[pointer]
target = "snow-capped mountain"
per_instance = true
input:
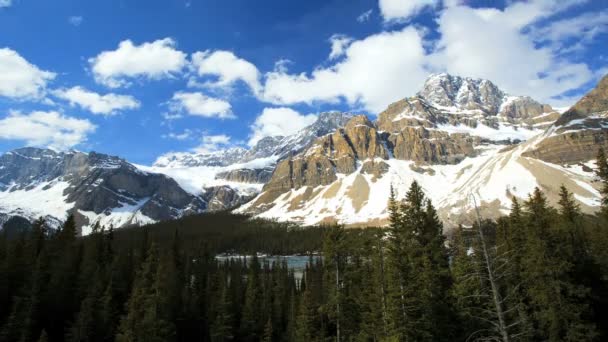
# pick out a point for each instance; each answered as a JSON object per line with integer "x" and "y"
{"x": 458, "y": 137}
{"x": 94, "y": 187}
{"x": 245, "y": 171}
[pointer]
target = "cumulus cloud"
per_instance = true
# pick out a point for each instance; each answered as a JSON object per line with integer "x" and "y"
{"x": 399, "y": 10}
{"x": 339, "y": 43}
{"x": 278, "y": 121}
{"x": 211, "y": 143}
{"x": 19, "y": 78}
{"x": 108, "y": 104}
{"x": 227, "y": 68}
{"x": 51, "y": 129}
{"x": 497, "y": 47}
{"x": 150, "y": 60}
{"x": 201, "y": 105}
{"x": 374, "y": 72}
{"x": 5, "y": 3}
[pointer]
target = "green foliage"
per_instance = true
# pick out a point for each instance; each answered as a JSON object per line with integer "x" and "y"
{"x": 405, "y": 283}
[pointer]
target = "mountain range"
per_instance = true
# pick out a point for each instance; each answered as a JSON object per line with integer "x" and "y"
{"x": 462, "y": 139}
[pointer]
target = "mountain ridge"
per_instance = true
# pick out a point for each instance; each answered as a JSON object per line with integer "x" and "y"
{"x": 457, "y": 137}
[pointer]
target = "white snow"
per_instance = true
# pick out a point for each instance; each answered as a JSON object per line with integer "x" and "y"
{"x": 502, "y": 133}
{"x": 492, "y": 177}
{"x": 126, "y": 214}
{"x": 194, "y": 179}
{"x": 37, "y": 201}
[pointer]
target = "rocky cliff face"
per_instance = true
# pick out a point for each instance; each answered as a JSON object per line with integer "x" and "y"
{"x": 580, "y": 132}
{"x": 458, "y": 137}
{"x": 94, "y": 187}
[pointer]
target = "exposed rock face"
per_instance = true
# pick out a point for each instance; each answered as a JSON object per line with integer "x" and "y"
{"x": 254, "y": 176}
{"x": 580, "y": 132}
{"x": 466, "y": 93}
{"x": 450, "y": 101}
{"x": 524, "y": 108}
{"x": 571, "y": 147}
{"x": 457, "y": 137}
{"x": 223, "y": 198}
{"x": 596, "y": 101}
{"x": 95, "y": 187}
{"x": 436, "y": 147}
{"x": 332, "y": 154}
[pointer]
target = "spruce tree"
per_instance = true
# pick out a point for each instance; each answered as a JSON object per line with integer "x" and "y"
{"x": 145, "y": 319}
{"x": 602, "y": 173}
{"x": 557, "y": 305}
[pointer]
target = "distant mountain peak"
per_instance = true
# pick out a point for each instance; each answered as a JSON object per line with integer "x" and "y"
{"x": 445, "y": 90}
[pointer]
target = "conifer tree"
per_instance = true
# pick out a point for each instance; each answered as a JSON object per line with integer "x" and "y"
{"x": 222, "y": 325}
{"x": 557, "y": 306}
{"x": 251, "y": 324}
{"x": 602, "y": 173}
{"x": 145, "y": 319}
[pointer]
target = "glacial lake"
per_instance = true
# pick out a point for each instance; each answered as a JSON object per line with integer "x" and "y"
{"x": 295, "y": 262}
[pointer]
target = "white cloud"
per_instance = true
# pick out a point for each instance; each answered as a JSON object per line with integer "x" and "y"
{"x": 150, "y": 60}
{"x": 186, "y": 134}
{"x": 375, "y": 71}
{"x": 365, "y": 16}
{"x": 108, "y": 104}
{"x": 5, "y": 3}
{"x": 228, "y": 69}
{"x": 19, "y": 78}
{"x": 211, "y": 143}
{"x": 50, "y": 129}
{"x": 497, "y": 47}
{"x": 201, "y": 105}
{"x": 399, "y": 10}
{"x": 278, "y": 121}
{"x": 339, "y": 43}
{"x": 572, "y": 34}
{"x": 75, "y": 20}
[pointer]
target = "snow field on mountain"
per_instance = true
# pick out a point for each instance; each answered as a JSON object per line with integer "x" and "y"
{"x": 45, "y": 198}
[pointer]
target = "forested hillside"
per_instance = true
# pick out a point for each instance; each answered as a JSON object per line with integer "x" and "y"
{"x": 538, "y": 274}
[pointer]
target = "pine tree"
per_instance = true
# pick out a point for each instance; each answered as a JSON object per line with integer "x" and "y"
{"x": 251, "y": 324}
{"x": 557, "y": 305}
{"x": 145, "y": 319}
{"x": 305, "y": 320}
{"x": 222, "y": 324}
{"x": 419, "y": 270}
{"x": 602, "y": 173}
{"x": 334, "y": 252}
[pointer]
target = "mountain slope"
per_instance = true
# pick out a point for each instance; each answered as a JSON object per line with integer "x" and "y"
{"x": 458, "y": 138}
{"x": 244, "y": 171}
{"x": 580, "y": 132}
{"x": 94, "y": 187}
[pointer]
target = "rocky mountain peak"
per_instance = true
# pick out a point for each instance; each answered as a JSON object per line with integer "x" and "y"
{"x": 446, "y": 90}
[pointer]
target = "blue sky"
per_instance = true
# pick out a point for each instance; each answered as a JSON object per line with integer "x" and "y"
{"x": 142, "y": 78}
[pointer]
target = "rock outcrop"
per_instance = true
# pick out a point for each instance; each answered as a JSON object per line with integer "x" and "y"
{"x": 330, "y": 155}
{"x": 580, "y": 132}
{"x": 223, "y": 198}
